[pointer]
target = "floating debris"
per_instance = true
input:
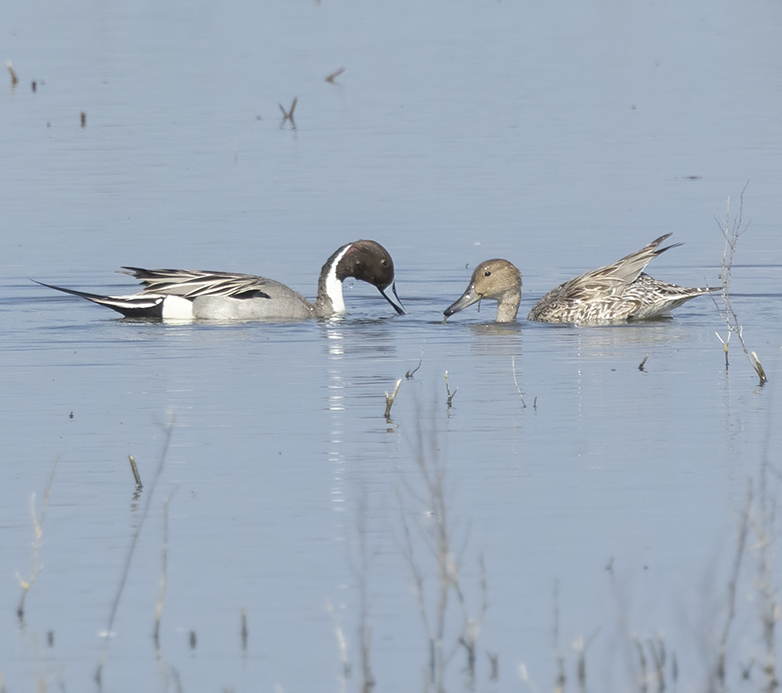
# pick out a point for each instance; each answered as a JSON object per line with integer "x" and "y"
{"x": 14, "y": 78}
{"x": 288, "y": 115}
{"x": 330, "y": 79}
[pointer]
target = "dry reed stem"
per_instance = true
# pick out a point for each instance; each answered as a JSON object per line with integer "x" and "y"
{"x": 720, "y": 666}
{"x": 163, "y": 576}
{"x": 763, "y": 522}
{"x": 732, "y": 233}
{"x": 35, "y": 568}
{"x": 515, "y": 380}
{"x": 136, "y": 475}
{"x": 450, "y": 395}
{"x": 169, "y": 429}
{"x": 360, "y": 564}
{"x": 288, "y": 115}
{"x": 409, "y": 375}
{"x": 659, "y": 656}
{"x": 643, "y": 682}
{"x": 434, "y": 528}
{"x": 342, "y": 644}
{"x": 390, "y": 400}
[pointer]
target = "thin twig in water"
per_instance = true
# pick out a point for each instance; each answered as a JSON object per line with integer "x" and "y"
{"x": 579, "y": 647}
{"x": 435, "y": 528}
{"x": 288, "y": 115}
{"x": 643, "y": 683}
{"x": 38, "y": 534}
{"x": 342, "y": 644}
{"x": 448, "y": 392}
{"x": 764, "y": 522}
{"x": 360, "y": 564}
{"x": 518, "y": 389}
{"x": 720, "y": 667}
{"x": 732, "y": 233}
{"x": 330, "y": 79}
{"x": 409, "y": 375}
{"x": 657, "y": 648}
{"x": 643, "y": 363}
{"x": 132, "y": 548}
{"x": 163, "y": 577}
{"x": 244, "y": 631}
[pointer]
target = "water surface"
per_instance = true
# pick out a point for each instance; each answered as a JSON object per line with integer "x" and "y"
{"x": 602, "y": 501}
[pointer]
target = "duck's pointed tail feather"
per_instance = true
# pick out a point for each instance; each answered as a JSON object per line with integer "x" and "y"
{"x": 138, "y": 306}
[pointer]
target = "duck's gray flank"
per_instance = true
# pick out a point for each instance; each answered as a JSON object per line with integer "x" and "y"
{"x": 209, "y": 295}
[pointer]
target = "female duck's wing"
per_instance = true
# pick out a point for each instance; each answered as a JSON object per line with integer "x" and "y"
{"x": 626, "y": 270}
{"x": 602, "y": 294}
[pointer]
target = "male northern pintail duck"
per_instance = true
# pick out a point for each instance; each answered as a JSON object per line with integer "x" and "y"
{"x": 616, "y": 293}
{"x": 200, "y": 295}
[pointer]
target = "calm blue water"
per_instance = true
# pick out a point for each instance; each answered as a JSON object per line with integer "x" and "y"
{"x": 559, "y": 137}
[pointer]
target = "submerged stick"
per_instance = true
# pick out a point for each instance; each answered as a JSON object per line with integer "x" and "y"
{"x": 288, "y": 115}
{"x": 643, "y": 363}
{"x": 136, "y": 475}
{"x": 390, "y": 399}
{"x": 14, "y": 78}
{"x": 725, "y": 343}
{"x": 450, "y": 394}
{"x": 330, "y": 79}
{"x": 758, "y": 368}
{"x": 409, "y": 375}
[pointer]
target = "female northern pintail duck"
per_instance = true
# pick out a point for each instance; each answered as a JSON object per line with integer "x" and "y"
{"x": 193, "y": 294}
{"x": 498, "y": 280}
{"x": 611, "y": 294}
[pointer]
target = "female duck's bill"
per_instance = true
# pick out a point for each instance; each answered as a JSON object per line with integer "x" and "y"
{"x": 194, "y": 294}
{"x": 498, "y": 280}
{"x": 615, "y": 293}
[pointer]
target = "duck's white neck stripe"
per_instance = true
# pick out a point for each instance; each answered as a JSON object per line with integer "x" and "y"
{"x": 334, "y": 285}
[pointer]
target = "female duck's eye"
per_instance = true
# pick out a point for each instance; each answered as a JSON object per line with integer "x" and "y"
{"x": 384, "y": 262}
{"x": 487, "y": 273}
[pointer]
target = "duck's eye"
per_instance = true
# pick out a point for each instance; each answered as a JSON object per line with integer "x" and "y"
{"x": 487, "y": 273}
{"x": 384, "y": 262}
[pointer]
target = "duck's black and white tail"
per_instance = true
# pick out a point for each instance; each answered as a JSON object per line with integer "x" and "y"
{"x": 137, "y": 306}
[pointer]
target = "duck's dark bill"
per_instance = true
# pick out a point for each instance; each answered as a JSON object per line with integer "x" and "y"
{"x": 467, "y": 299}
{"x": 389, "y": 293}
